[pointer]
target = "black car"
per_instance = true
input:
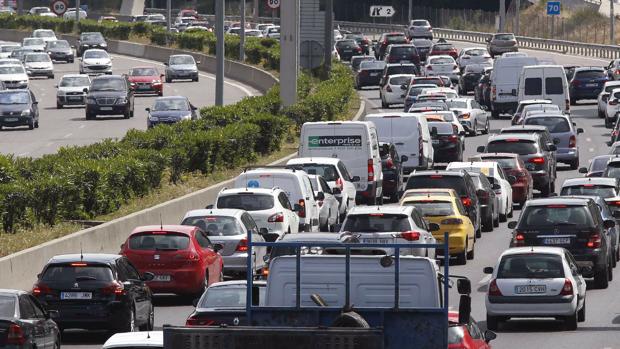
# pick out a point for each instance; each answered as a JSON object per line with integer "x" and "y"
{"x": 482, "y": 90}
{"x": 369, "y": 74}
{"x": 109, "y": 95}
{"x": 25, "y": 323}
{"x": 170, "y": 110}
{"x": 485, "y": 191}
{"x": 386, "y": 40}
{"x": 347, "y": 49}
{"x": 96, "y": 291}
{"x": 573, "y": 223}
{"x": 448, "y": 144}
{"x": 402, "y": 53}
{"x": 18, "y": 108}
{"x": 60, "y": 50}
{"x": 423, "y": 46}
{"x": 597, "y": 166}
{"x": 470, "y": 78}
{"x": 357, "y": 60}
{"x": 586, "y": 83}
{"x": 391, "y": 165}
{"x": 90, "y": 40}
{"x": 460, "y": 181}
{"x": 361, "y": 40}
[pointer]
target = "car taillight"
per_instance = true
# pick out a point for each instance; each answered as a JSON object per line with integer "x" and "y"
{"x": 493, "y": 289}
{"x": 385, "y": 43}
{"x": 537, "y": 160}
{"x": 567, "y": 289}
{"x": 194, "y": 321}
{"x": 452, "y": 221}
{"x": 465, "y": 116}
{"x": 113, "y": 289}
{"x": 466, "y": 201}
{"x": 613, "y": 102}
{"x": 410, "y": 235}
{"x": 519, "y": 239}
{"x": 453, "y": 138}
{"x": 388, "y": 88}
{"x": 302, "y": 211}
{"x": 15, "y": 335}
{"x": 567, "y": 104}
{"x": 276, "y": 218}
{"x": 429, "y": 67}
{"x": 363, "y": 72}
{"x": 358, "y": 49}
{"x": 594, "y": 241}
{"x": 242, "y": 246}
{"x": 572, "y": 142}
{"x": 575, "y": 83}
{"x": 40, "y": 289}
{"x": 389, "y": 163}
{"x": 493, "y": 91}
{"x": 340, "y": 184}
{"x": 371, "y": 171}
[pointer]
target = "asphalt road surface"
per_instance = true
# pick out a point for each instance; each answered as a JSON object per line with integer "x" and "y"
{"x": 68, "y": 126}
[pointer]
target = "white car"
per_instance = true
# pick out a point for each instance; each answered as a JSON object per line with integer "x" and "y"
{"x": 446, "y": 91}
{"x": 71, "y": 90}
{"x": 270, "y": 208}
{"x": 391, "y": 92}
{"x": 70, "y": 14}
{"x": 337, "y": 176}
{"x": 43, "y": 11}
{"x": 10, "y": 61}
{"x": 14, "y": 76}
{"x": 329, "y": 215}
{"x": 337, "y": 35}
{"x": 449, "y": 116}
{"x": 474, "y": 55}
{"x": 536, "y": 281}
{"x": 442, "y": 65}
{"x": 272, "y": 32}
{"x": 6, "y": 49}
{"x": 35, "y": 44}
{"x": 254, "y": 32}
{"x": 95, "y": 61}
{"x": 45, "y": 34}
{"x": 263, "y": 26}
{"x": 613, "y": 105}
{"x": 39, "y": 64}
{"x": 142, "y": 340}
{"x": 470, "y": 115}
{"x": 603, "y": 97}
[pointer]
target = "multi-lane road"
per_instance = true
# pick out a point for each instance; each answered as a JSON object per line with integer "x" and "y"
{"x": 68, "y": 126}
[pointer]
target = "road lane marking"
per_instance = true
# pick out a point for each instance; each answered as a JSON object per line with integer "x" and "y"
{"x": 82, "y": 126}
{"x": 24, "y": 154}
{"x": 588, "y": 139}
{"x": 68, "y": 135}
{"x": 49, "y": 144}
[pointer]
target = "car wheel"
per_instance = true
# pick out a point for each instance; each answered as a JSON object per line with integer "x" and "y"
{"x": 470, "y": 254}
{"x": 573, "y": 101}
{"x": 58, "y": 105}
{"x": 325, "y": 227}
{"x": 570, "y": 322}
{"x": 195, "y": 79}
{"x": 494, "y": 114}
{"x": 574, "y": 164}
{"x": 614, "y": 263}
{"x": 90, "y": 116}
{"x": 31, "y": 124}
{"x": 51, "y": 76}
{"x": 474, "y": 131}
{"x": 496, "y": 222}
{"x": 492, "y": 322}
{"x": 384, "y": 105}
{"x": 581, "y": 314}
{"x": 168, "y": 79}
{"x": 127, "y": 114}
{"x": 487, "y": 127}
{"x": 150, "y": 322}
{"x": 544, "y": 192}
{"x": 36, "y": 124}
{"x": 610, "y": 270}
{"x": 510, "y": 213}
{"x": 487, "y": 226}
{"x": 601, "y": 114}
{"x": 601, "y": 278}
{"x": 461, "y": 258}
{"x": 502, "y": 217}
{"x": 479, "y": 233}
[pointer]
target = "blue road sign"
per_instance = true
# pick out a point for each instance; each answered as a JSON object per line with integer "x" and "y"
{"x": 553, "y": 8}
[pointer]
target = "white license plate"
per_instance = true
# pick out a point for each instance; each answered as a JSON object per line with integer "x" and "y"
{"x": 76, "y": 295}
{"x": 530, "y": 289}
{"x": 10, "y": 119}
{"x": 75, "y": 98}
{"x": 162, "y": 278}
{"x": 405, "y": 61}
{"x": 377, "y": 241}
{"x": 374, "y": 74}
{"x": 105, "y": 108}
{"x": 435, "y": 141}
{"x": 556, "y": 241}
{"x": 144, "y": 87}
{"x": 591, "y": 85}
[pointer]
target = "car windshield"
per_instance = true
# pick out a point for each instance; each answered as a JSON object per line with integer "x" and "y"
{"x": 441, "y": 60}
{"x": 375, "y": 65}
{"x": 552, "y": 216}
{"x": 171, "y": 104}
{"x": 95, "y": 54}
{"x": 406, "y": 50}
{"x": 91, "y": 36}
{"x": 420, "y": 23}
{"x": 44, "y": 33}
{"x": 504, "y": 37}
{"x": 457, "y": 104}
{"x": 75, "y": 81}
{"x": 443, "y": 47}
{"x": 400, "y": 80}
{"x": 159, "y": 241}
{"x": 433, "y": 208}
{"x": 376, "y": 222}
{"x": 18, "y": 97}
{"x": 9, "y": 48}
{"x": 396, "y": 39}
{"x": 328, "y": 172}
{"x": 518, "y": 146}
{"x": 229, "y": 297}
{"x": 422, "y": 43}
{"x": 253, "y": 202}
{"x": 37, "y": 57}
{"x": 590, "y": 189}
{"x": 143, "y": 72}
{"x": 216, "y": 225}
{"x": 108, "y": 85}
{"x": 554, "y": 125}
{"x": 476, "y": 52}
{"x": 177, "y": 60}
{"x": 58, "y": 44}
{"x": 78, "y": 271}
{"x": 531, "y": 266}
{"x": 33, "y": 41}
{"x": 438, "y": 181}
{"x": 590, "y": 74}
{"x": 426, "y": 81}
{"x": 7, "y": 307}
{"x": 11, "y": 70}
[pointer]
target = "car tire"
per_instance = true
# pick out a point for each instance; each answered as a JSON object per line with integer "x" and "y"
{"x": 127, "y": 114}
{"x": 50, "y": 76}
{"x": 384, "y": 105}
{"x": 494, "y": 114}
{"x": 195, "y": 79}
{"x": 573, "y": 101}
{"x": 544, "y": 192}
{"x": 493, "y": 322}
{"x": 487, "y": 226}
{"x": 608, "y": 124}
{"x": 610, "y": 270}
{"x": 581, "y": 313}
{"x": 90, "y": 116}
{"x": 58, "y": 105}
{"x": 479, "y": 233}
{"x": 461, "y": 258}
{"x": 487, "y": 127}
{"x": 574, "y": 164}
{"x": 601, "y": 278}
{"x": 70, "y": 61}
{"x": 128, "y": 323}
{"x": 31, "y": 125}
{"x": 510, "y": 213}
{"x": 160, "y": 93}
{"x": 601, "y": 114}
{"x": 150, "y": 323}
{"x": 570, "y": 322}
{"x": 502, "y": 217}
{"x": 474, "y": 131}
{"x": 168, "y": 79}
{"x": 496, "y": 222}
{"x": 36, "y": 124}
{"x": 470, "y": 254}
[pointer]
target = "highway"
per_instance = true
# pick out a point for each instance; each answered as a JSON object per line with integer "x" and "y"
{"x": 68, "y": 126}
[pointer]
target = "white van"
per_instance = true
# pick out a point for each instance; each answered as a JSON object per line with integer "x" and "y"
{"x": 372, "y": 285}
{"x": 505, "y": 82}
{"x": 409, "y": 133}
{"x": 545, "y": 82}
{"x": 356, "y": 144}
{"x": 295, "y": 183}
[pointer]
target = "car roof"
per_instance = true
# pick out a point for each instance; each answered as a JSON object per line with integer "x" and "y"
{"x": 229, "y": 212}
{"x": 86, "y": 257}
{"x": 589, "y": 68}
{"x": 557, "y": 201}
{"x": 74, "y": 76}
{"x": 612, "y": 182}
{"x": 524, "y": 136}
{"x": 95, "y": 50}
{"x": 170, "y": 97}
{"x": 434, "y": 197}
{"x": 533, "y": 249}
{"x": 6, "y": 291}
{"x": 379, "y": 209}
{"x": 440, "y": 191}
{"x": 400, "y": 65}
{"x": 532, "y": 128}
{"x": 401, "y": 75}
{"x": 439, "y": 172}
{"x": 232, "y": 191}
{"x": 494, "y": 155}
{"x": 187, "y": 229}
{"x": 313, "y": 160}
{"x": 103, "y": 77}
{"x": 153, "y": 339}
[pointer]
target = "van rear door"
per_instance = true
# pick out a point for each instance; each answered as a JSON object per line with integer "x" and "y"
{"x": 403, "y": 132}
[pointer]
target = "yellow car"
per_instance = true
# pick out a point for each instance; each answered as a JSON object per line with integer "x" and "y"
{"x": 449, "y": 213}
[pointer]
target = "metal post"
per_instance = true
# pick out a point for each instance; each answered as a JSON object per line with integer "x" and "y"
{"x": 502, "y": 15}
{"x": 168, "y": 15}
{"x": 20, "y": 7}
{"x": 242, "y": 34}
{"x": 298, "y": 278}
{"x": 517, "y": 16}
{"x": 612, "y": 23}
{"x": 77, "y": 16}
{"x": 552, "y": 27}
{"x": 347, "y": 275}
{"x": 219, "y": 52}
{"x": 289, "y": 51}
{"x": 255, "y": 11}
{"x": 249, "y": 279}
{"x": 397, "y": 279}
{"x": 329, "y": 35}
{"x": 409, "y": 12}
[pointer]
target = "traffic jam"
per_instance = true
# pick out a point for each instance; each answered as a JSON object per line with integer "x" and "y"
{"x": 398, "y": 182}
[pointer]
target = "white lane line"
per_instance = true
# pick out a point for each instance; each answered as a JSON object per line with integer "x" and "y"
{"x": 591, "y": 150}
{"x": 49, "y": 144}
{"x": 241, "y": 87}
{"x": 68, "y": 135}
{"x": 82, "y": 126}
{"x": 588, "y": 139}
{"x": 24, "y": 154}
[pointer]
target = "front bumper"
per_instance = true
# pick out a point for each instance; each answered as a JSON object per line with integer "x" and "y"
{"x": 71, "y": 99}
{"x": 40, "y": 72}
{"x": 14, "y": 121}
{"x": 14, "y": 85}
{"x": 57, "y": 56}
{"x": 116, "y": 109}
{"x": 147, "y": 88}
{"x": 91, "y": 70}
{"x": 182, "y": 75}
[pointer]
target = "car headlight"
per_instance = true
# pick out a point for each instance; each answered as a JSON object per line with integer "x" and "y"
{"x": 61, "y": 93}
{"x": 103, "y": 44}
{"x": 25, "y": 112}
{"x": 24, "y": 82}
{"x": 122, "y": 100}
{"x": 156, "y": 82}
{"x": 90, "y": 100}
{"x": 186, "y": 117}
{"x": 153, "y": 118}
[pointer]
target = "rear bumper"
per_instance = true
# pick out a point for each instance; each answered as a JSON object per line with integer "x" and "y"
{"x": 89, "y": 316}
{"x": 567, "y": 154}
{"x": 456, "y": 242}
{"x": 541, "y": 179}
{"x": 504, "y": 107}
{"x": 589, "y": 93}
{"x": 519, "y": 193}
{"x": 531, "y": 306}
{"x": 182, "y": 281}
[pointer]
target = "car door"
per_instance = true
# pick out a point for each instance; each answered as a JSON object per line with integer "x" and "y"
{"x": 36, "y": 323}
{"x": 330, "y": 200}
{"x": 204, "y": 247}
{"x": 50, "y": 328}
{"x": 477, "y": 336}
{"x": 581, "y": 283}
{"x": 35, "y": 106}
{"x": 138, "y": 291}
{"x": 506, "y": 187}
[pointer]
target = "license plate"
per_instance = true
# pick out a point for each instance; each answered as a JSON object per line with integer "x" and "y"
{"x": 591, "y": 85}
{"x": 374, "y": 74}
{"x": 435, "y": 141}
{"x": 405, "y": 61}
{"x": 556, "y": 241}
{"x": 144, "y": 87}
{"x": 76, "y": 295}
{"x": 105, "y": 108}
{"x": 377, "y": 241}
{"x": 162, "y": 278}
{"x": 529, "y": 289}
{"x": 10, "y": 119}
{"x": 74, "y": 98}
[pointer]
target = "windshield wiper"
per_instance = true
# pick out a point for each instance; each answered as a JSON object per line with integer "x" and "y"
{"x": 85, "y": 278}
{"x": 166, "y": 249}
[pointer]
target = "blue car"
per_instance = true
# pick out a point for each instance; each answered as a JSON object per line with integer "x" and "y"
{"x": 562, "y": 128}
{"x": 412, "y": 94}
{"x": 586, "y": 83}
{"x": 170, "y": 110}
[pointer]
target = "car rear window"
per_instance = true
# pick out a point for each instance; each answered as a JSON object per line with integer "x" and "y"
{"x": 443, "y": 47}
{"x": 254, "y": 202}
{"x": 590, "y": 189}
{"x": 519, "y": 147}
{"x": 159, "y": 241}
{"x": 402, "y": 69}
{"x": 403, "y": 50}
{"x": 328, "y": 172}
{"x": 554, "y": 86}
{"x": 78, "y": 271}
{"x": 533, "y": 87}
{"x": 504, "y": 37}
{"x": 346, "y": 43}
{"x": 551, "y": 216}
{"x": 400, "y": 80}
{"x": 433, "y": 208}
{"x": 443, "y": 128}
{"x": 372, "y": 65}
{"x": 230, "y": 297}
{"x": 599, "y": 164}
{"x": 7, "y": 307}
{"x": 396, "y": 39}
{"x": 376, "y": 222}
{"x": 554, "y": 125}
{"x": 435, "y": 81}
{"x": 215, "y": 225}
{"x": 531, "y": 266}
{"x": 506, "y": 163}
{"x": 420, "y": 23}
{"x": 442, "y": 60}
{"x": 590, "y": 74}
{"x": 438, "y": 181}
{"x": 457, "y": 104}
{"x": 476, "y": 52}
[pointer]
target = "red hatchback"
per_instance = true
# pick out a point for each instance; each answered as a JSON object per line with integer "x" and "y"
{"x": 182, "y": 258}
{"x": 468, "y": 336}
{"x": 444, "y": 48}
{"x": 146, "y": 80}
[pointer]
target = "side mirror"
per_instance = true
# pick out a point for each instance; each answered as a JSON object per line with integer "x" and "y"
{"x": 489, "y": 336}
{"x": 147, "y": 109}
{"x": 488, "y": 270}
{"x": 583, "y": 170}
{"x": 85, "y": 90}
{"x": 512, "y": 224}
{"x": 553, "y": 147}
{"x": 404, "y": 158}
{"x": 217, "y": 247}
{"x": 433, "y": 227}
{"x": 320, "y": 196}
{"x": 463, "y": 286}
{"x": 263, "y": 231}
{"x": 147, "y": 276}
{"x": 608, "y": 224}
{"x": 404, "y": 87}
{"x": 512, "y": 179}
{"x": 462, "y": 133}
{"x": 336, "y": 191}
{"x": 496, "y": 186}
{"x": 355, "y": 179}
{"x": 480, "y": 149}
{"x": 208, "y": 207}
{"x": 579, "y": 130}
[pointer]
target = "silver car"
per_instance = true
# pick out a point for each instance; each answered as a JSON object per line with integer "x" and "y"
{"x": 501, "y": 43}
{"x": 471, "y": 115}
{"x": 181, "y": 67}
{"x": 420, "y": 28}
{"x": 327, "y": 201}
{"x": 229, "y": 228}
{"x": 560, "y": 127}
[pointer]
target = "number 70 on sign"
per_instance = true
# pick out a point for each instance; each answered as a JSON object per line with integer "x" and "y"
{"x": 553, "y": 8}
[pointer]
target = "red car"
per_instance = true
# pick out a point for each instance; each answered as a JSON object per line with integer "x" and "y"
{"x": 146, "y": 80}
{"x": 182, "y": 258}
{"x": 523, "y": 184}
{"x": 444, "y": 48}
{"x": 467, "y": 336}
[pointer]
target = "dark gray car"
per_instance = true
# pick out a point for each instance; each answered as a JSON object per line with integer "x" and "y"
{"x": 18, "y": 108}
{"x": 24, "y": 322}
{"x": 90, "y": 40}
{"x": 60, "y": 50}
{"x": 501, "y": 43}
{"x": 109, "y": 95}
{"x": 181, "y": 67}
{"x": 170, "y": 110}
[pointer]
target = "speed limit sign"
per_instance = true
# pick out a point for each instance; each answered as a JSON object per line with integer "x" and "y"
{"x": 59, "y": 7}
{"x": 273, "y": 3}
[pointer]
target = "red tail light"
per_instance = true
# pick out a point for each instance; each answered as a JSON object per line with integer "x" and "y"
{"x": 613, "y": 102}
{"x": 358, "y": 49}
{"x": 538, "y": 160}
{"x": 114, "y": 289}
{"x": 15, "y": 335}
{"x": 493, "y": 289}
{"x": 466, "y": 201}
{"x": 575, "y": 83}
{"x": 567, "y": 103}
{"x": 339, "y": 183}
{"x": 410, "y": 235}
{"x": 194, "y": 321}
{"x": 493, "y": 93}
{"x": 429, "y": 68}
{"x": 567, "y": 290}
{"x": 364, "y": 72}
{"x": 302, "y": 212}
{"x": 242, "y": 246}
{"x": 40, "y": 289}
{"x": 388, "y": 88}
{"x": 572, "y": 142}
{"x": 452, "y": 221}
{"x": 453, "y": 138}
{"x": 389, "y": 163}
{"x": 276, "y": 218}
{"x": 371, "y": 170}
{"x": 617, "y": 71}
{"x": 594, "y": 241}
{"x": 519, "y": 239}
{"x": 385, "y": 42}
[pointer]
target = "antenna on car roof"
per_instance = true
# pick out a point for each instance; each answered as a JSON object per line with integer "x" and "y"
{"x": 161, "y": 222}
{"x": 81, "y": 253}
